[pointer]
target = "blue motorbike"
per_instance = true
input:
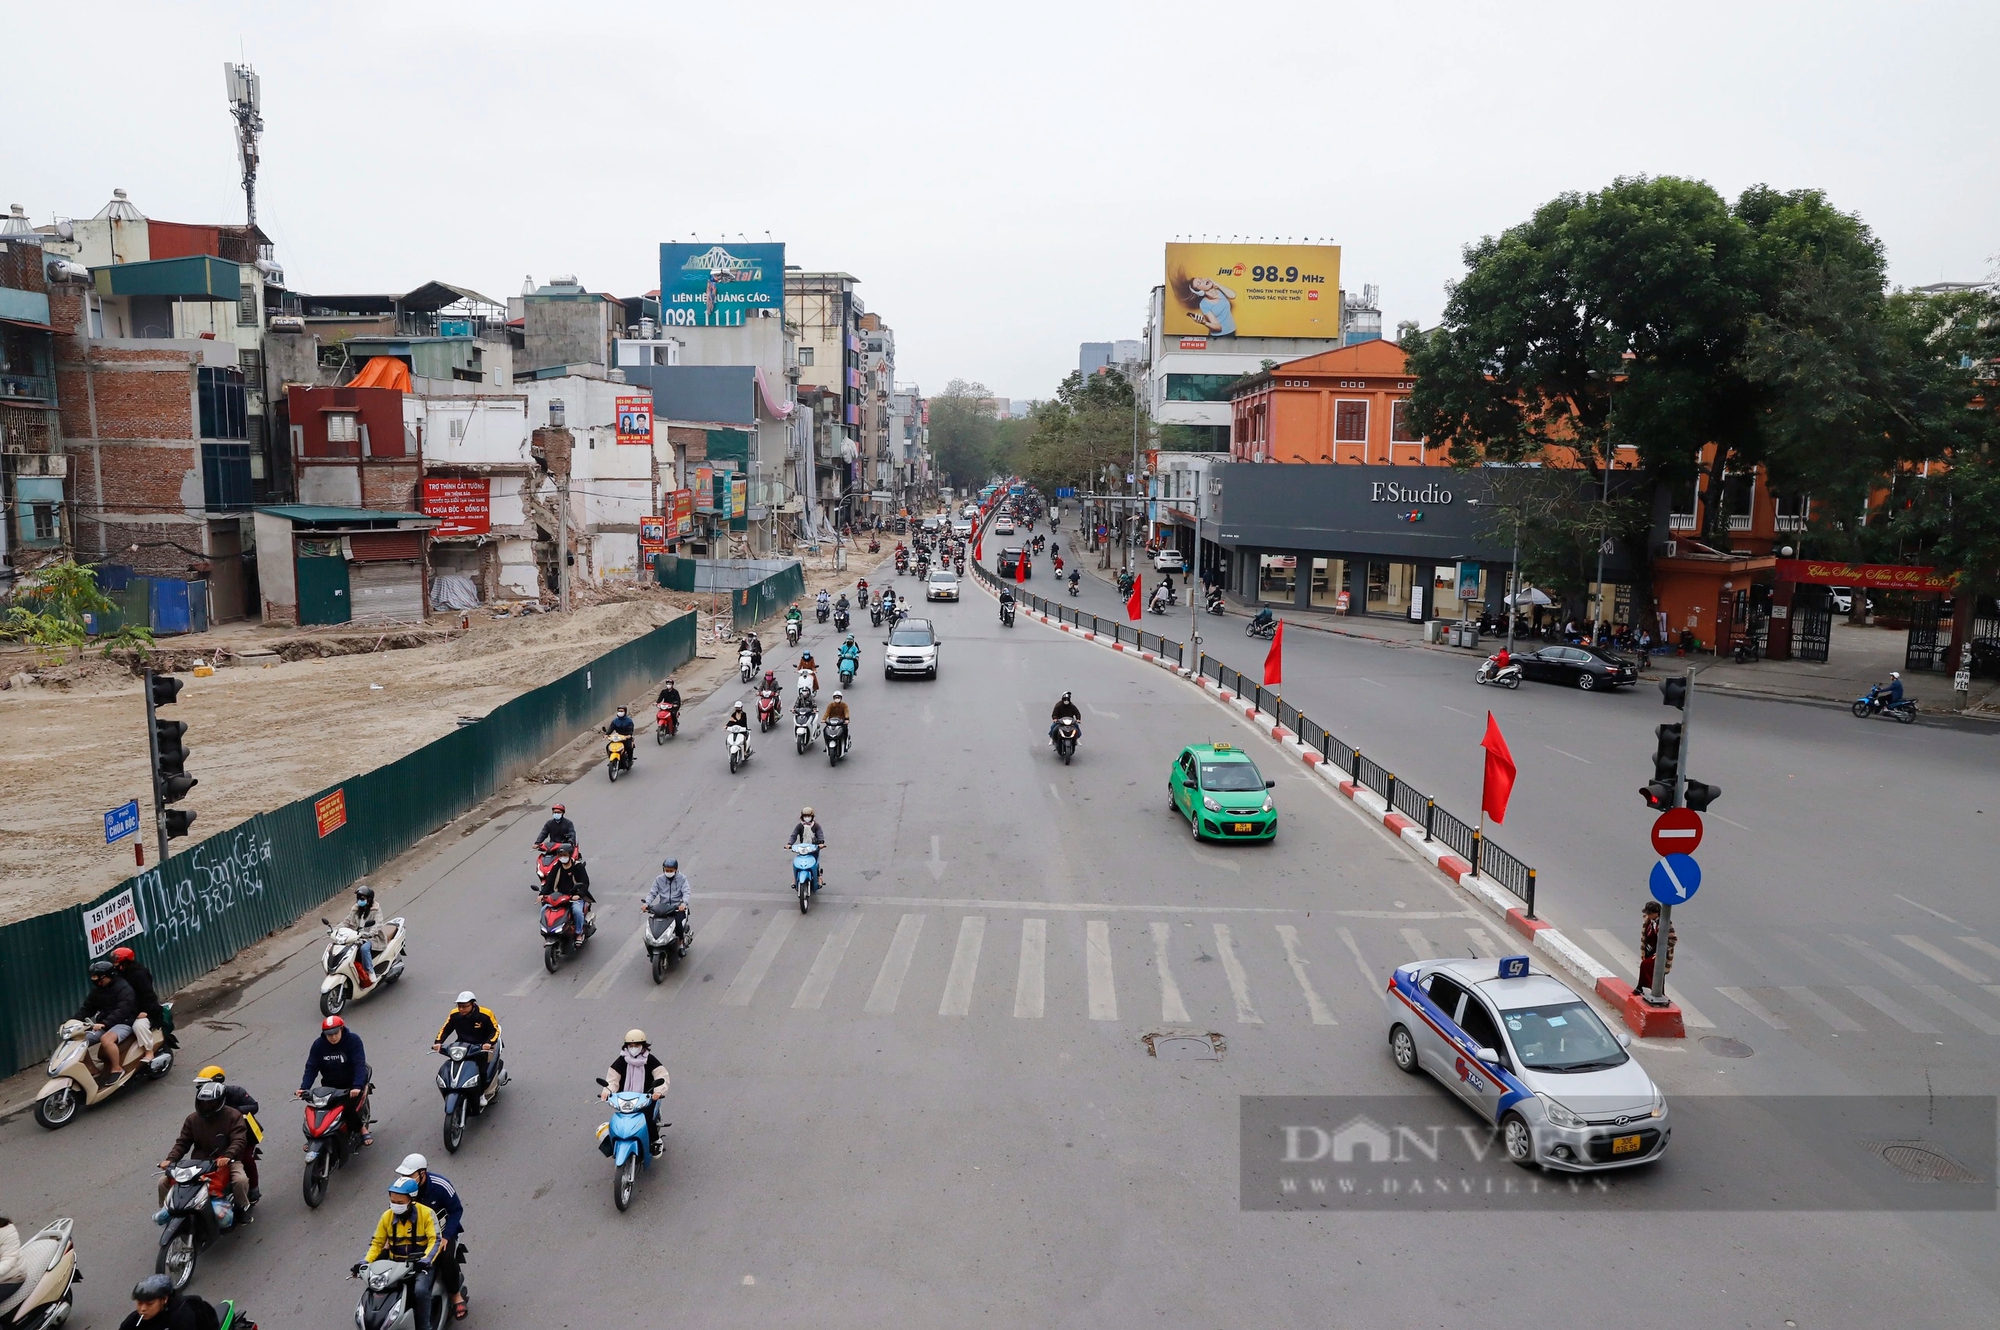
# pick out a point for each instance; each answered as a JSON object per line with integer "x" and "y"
{"x": 849, "y": 665}
{"x": 1877, "y": 703}
{"x": 626, "y": 1142}
{"x": 805, "y": 873}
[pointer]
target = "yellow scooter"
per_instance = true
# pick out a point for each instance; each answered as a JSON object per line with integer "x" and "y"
{"x": 76, "y": 1069}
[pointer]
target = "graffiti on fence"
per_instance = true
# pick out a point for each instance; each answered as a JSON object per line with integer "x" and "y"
{"x": 214, "y": 878}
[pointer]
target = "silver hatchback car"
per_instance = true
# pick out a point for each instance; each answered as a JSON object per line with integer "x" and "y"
{"x": 1531, "y": 1057}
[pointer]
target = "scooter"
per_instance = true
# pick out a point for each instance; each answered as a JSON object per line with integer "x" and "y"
{"x": 559, "y": 936}
{"x": 667, "y": 939}
{"x": 739, "y": 746}
{"x": 1067, "y": 733}
{"x": 617, "y": 755}
{"x": 840, "y": 621}
{"x": 625, "y": 1142}
{"x": 1006, "y": 614}
{"x": 767, "y": 709}
{"x": 75, "y": 1080}
{"x": 1877, "y": 703}
{"x": 1215, "y": 605}
{"x": 1157, "y": 605}
{"x": 1073, "y": 586}
{"x": 847, "y": 666}
{"x": 821, "y": 611}
{"x": 805, "y": 872}
{"x": 332, "y": 1129}
{"x": 553, "y": 855}
{"x": 744, "y": 664}
{"x": 803, "y": 716}
{"x": 198, "y": 1211}
{"x": 794, "y": 629}
{"x": 875, "y": 613}
{"x": 458, "y": 1082}
{"x": 341, "y": 961}
{"x": 1260, "y": 628}
{"x": 874, "y": 547}
{"x": 1510, "y": 677}
{"x": 1746, "y": 650}
{"x": 835, "y": 733}
{"x": 42, "y": 1300}
{"x": 388, "y": 1302}
{"x": 666, "y": 722}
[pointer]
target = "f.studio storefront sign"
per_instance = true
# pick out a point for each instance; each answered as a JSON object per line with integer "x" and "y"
{"x": 1389, "y": 491}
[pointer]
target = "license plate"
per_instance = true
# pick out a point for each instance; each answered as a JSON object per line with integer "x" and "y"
{"x": 1241, "y": 827}
{"x": 1625, "y": 1145}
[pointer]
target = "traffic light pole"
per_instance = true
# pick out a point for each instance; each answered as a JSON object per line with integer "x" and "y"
{"x": 153, "y": 767}
{"x": 1658, "y": 997}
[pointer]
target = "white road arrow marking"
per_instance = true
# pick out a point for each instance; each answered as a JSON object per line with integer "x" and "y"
{"x": 936, "y": 865}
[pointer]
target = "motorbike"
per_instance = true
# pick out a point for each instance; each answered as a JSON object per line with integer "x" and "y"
{"x": 803, "y": 716}
{"x": 1073, "y": 586}
{"x": 767, "y": 709}
{"x": 387, "y": 1303}
{"x": 1746, "y": 650}
{"x": 559, "y": 936}
{"x": 1157, "y": 605}
{"x": 744, "y": 664}
{"x": 805, "y": 872}
{"x": 959, "y": 564}
{"x": 875, "y": 613}
{"x": 625, "y": 1142}
{"x": 333, "y": 1133}
{"x": 806, "y": 694}
{"x": 1260, "y": 628}
{"x": 1877, "y": 703}
{"x": 75, "y": 1069}
{"x": 341, "y": 961}
{"x": 835, "y": 734}
{"x": 794, "y": 630}
{"x": 1006, "y": 614}
{"x": 1124, "y": 583}
{"x": 1068, "y": 731}
{"x": 42, "y": 1300}
{"x": 1215, "y": 605}
{"x": 821, "y": 611}
{"x": 1510, "y": 677}
{"x": 874, "y": 547}
{"x": 458, "y": 1082}
{"x": 739, "y": 746}
{"x": 666, "y": 722}
{"x": 617, "y": 755}
{"x": 841, "y": 621}
{"x": 848, "y": 666}
{"x": 902, "y": 563}
{"x": 667, "y": 939}
{"x": 199, "y": 1210}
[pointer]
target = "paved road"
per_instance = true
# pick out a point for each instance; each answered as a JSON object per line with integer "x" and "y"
{"x": 928, "y": 1100}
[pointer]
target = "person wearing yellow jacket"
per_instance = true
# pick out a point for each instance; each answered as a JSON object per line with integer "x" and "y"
{"x": 407, "y": 1231}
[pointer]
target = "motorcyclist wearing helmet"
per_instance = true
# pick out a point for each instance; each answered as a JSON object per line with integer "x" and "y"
{"x": 1065, "y": 709}
{"x": 634, "y": 1070}
{"x": 836, "y": 708}
{"x": 823, "y": 601}
{"x": 238, "y": 1098}
{"x": 213, "y": 1131}
{"x": 623, "y": 726}
{"x": 155, "y": 1306}
{"x": 849, "y": 650}
{"x": 1895, "y": 693}
{"x": 150, "y": 1006}
{"x": 808, "y": 829}
{"x": 669, "y": 895}
{"x": 339, "y": 1062}
{"x": 558, "y": 829}
{"x": 474, "y": 1025}
{"x": 110, "y": 1006}
{"x": 670, "y": 696}
{"x": 795, "y": 616}
{"x": 435, "y": 1191}
{"x": 366, "y": 919}
{"x": 407, "y": 1231}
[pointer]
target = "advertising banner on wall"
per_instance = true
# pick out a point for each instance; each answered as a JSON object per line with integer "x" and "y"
{"x": 680, "y": 522}
{"x": 715, "y": 286}
{"x": 462, "y": 505}
{"x": 704, "y": 489}
{"x": 1252, "y": 290}
{"x": 111, "y": 922}
{"x": 739, "y": 495}
{"x": 652, "y": 536}
{"x": 635, "y": 420}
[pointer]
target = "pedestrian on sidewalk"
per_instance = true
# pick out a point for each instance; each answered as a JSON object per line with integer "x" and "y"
{"x": 1649, "y": 944}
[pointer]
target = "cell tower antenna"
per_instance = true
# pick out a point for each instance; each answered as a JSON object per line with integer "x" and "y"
{"x": 246, "y": 103}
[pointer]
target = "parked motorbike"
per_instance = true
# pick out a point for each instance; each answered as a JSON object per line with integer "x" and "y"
{"x": 667, "y": 939}
{"x": 666, "y": 722}
{"x": 199, "y": 1210}
{"x": 739, "y": 746}
{"x": 1510, "y": 677}
{"x": 805, "y": 872}
{"x": 874, "y": 547}
{"x": 1877, "y": 703}
{"x": 617, "y": 755}
{"x": 342, "y": 961}
{"x": 835, "y": 734}
{"x": 76, "y": 1069}
{"x": 626, "y": 1142}
{"x": 43, "y": 1297}
{"x": 1067, "y": 733}
{"x": 767, "y": 709}
{"x": 1746, "y": 650}
{"x": 332, "y": 1129}
{"x": 560, "y": 939}
{"x": 388, "y": 1302}
{"x": 745, "y": 665}
{"x": 794, "y": 629}
{"x": 803, "y": 716}
{"x": 458, "y": 1082}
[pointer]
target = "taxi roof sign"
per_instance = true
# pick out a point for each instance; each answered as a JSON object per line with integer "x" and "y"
{"x": 1513, "y": 967}
{"x": 1221, "y": 748}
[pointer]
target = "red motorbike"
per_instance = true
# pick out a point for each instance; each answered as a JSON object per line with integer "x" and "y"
{"x": 559, "y": 935}
{"x": 667, "y": 723}
{"x": 551, "y": 855}
{"x": 767, "y": 709}
{"x": 874, "y": 547}
{"x": 333, "y": 1134}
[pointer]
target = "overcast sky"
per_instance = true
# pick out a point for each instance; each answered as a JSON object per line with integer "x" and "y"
{"x": 1000, "y": 178}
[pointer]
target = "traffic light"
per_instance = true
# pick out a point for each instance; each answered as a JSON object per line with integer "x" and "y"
{"x": 1674, "y": 693}
{"x": 1699, "y": 796}
{"x": 170, "y": 754}
{"x": 1659, "y": 791}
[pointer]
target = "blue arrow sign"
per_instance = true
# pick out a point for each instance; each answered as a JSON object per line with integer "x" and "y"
{"x": 121, "y": 822}
{"x": 1675, "y": 879}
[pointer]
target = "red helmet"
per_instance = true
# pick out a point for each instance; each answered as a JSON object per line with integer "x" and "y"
{"x": 122, "y": 955}
{"x": 333, "y": 1023}
{"x": 558, "y": 809}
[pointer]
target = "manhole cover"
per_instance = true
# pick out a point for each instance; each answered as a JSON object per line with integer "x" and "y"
{"x": 1724, "y": 1047}
{"x": 1174, "y": 1046}
{"x": 1922, "y": 1160}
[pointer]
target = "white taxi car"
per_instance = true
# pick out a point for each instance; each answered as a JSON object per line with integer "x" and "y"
{"x": 1004, "y": 526}
{"x": 1530, "y": 1056}
{"x": 942, "y": 584}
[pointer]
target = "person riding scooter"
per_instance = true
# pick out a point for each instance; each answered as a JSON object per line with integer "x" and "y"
{"x": 110, "y": 1006}
{"x": 1159, "y": 602}
{"x": 836, "y": 709}
{"x": 238, "y": 1098}
{"x": 435, "y": 1191}
{"x": 407, "y": 1231}
{"x": 1894, "y": 696}
{"x": 339, "y": 1062}
{"x": 623, "y": 727}
{"x": 1263, "y": 620}
{"x": 634, "y": 1070}
{"x": 558, "y": 830}
{"x": 849, "y": 650}
{"x": 473, "y": 1025}
{"x": 1065, "y": 709}
{"x": 366, "y": 920}
{"x": 669, "y": 895}
{"x": 150, "y": 1006}
{"x": 213, "y": 1131}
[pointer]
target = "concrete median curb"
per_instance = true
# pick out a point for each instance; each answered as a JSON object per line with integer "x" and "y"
{"x": 1550, "y": 943}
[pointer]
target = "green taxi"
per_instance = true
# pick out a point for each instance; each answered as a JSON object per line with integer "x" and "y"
{"x": 1219, "y": 790}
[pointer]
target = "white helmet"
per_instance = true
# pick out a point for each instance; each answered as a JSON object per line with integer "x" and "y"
{"x": 412, "y": 1165}
{"x": 836, "y": 694}
{"x": 466, "y": 996}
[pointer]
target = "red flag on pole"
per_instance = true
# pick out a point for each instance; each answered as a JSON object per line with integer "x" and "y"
{"x": 1132, "y": 602}
{"x": 978, "y": 545}
{"x": 1274, "y": 659}
{"x": 1499, "y": 784}
{"x": 1021, "y": 567}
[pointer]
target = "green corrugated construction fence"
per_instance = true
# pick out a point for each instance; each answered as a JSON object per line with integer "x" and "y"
{"x": 210, "y": 901}
{"x": 773, "y": 595}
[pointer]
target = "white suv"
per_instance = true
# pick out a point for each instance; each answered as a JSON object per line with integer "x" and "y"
{"x": 1168, "y": 561}
{"x": 912, "y": 649}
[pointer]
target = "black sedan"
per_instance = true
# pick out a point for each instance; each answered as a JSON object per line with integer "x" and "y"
{"x": 1581, "y": 667}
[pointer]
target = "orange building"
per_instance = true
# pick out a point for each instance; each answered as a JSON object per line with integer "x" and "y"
{"x": 1341, "y": 406}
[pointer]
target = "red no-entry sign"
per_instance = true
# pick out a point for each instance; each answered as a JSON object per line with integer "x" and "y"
{"x": 1677, "y": 831}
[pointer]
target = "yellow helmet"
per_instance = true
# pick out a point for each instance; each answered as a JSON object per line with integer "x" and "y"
{"x": 210, "y": 1073}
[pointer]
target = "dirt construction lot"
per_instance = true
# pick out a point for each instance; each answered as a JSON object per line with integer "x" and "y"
{"x": 265, "y": 730}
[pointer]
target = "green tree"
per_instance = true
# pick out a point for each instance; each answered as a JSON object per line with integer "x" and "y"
{"x": 48, "y": 613}
{"x": 1084, "y": 437}
{"x": 963, "y": 433}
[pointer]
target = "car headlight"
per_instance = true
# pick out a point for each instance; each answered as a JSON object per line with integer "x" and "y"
{"x": 1267, "y": 805}
{"x": 1208, "y": 802}
{"x": 1559, "y": 1115}
{"x": 1659, "y": 1104}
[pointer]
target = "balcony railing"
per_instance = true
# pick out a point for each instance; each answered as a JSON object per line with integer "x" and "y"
{"x": 1791, "y": 522}
{"x": 1739, "y": 522}
{"x": 1680, "y": 522}
{"x": 27, "y": 386}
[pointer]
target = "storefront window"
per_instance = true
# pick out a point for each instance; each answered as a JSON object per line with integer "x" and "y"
{"x": 1389, "y": 587}
{"x": 1277, "y": 578}
{"x": 1329, "y": 577}
{"x": 1445, "y": 600}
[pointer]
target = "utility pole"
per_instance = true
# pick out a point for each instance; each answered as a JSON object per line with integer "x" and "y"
{"x": 1597, "y": 613}
{"x": 562, "y": 542}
